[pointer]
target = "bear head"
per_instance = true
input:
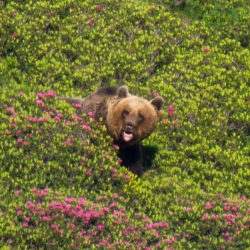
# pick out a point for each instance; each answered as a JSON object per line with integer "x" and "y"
{"x": 131, "y": 118}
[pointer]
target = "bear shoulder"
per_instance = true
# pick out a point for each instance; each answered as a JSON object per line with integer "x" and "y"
{"x": 119, "y": 92}
{"x": 106, "y": 91}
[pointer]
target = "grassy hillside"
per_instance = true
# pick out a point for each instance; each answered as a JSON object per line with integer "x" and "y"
{"x": 61, "y": 183}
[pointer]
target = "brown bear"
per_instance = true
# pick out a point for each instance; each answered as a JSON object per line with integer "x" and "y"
{"x": 128, "y": 118}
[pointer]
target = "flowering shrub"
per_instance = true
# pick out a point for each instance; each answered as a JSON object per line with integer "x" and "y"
{"x": 79, "y": 223}
{"x": 61, "y": 184}
{"x": 52, "y": 145}
{"x": 108, "y": 221}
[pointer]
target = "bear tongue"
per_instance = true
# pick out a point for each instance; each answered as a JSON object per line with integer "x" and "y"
{"x": 127, "y": 137}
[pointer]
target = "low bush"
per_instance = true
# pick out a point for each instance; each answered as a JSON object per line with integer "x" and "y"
{"x": 61, "y": 182}
{"x": 229, "y": 17}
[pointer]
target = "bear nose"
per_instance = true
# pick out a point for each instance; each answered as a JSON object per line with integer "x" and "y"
{"x": 129, "y": 125}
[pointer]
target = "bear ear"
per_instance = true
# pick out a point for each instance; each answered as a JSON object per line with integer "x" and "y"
{"x": 122, "y": 92}
{"x": 71, "y": 100}
{"x": 157, "y": 102}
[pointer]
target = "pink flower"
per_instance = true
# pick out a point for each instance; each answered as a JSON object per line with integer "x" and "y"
{"x": 72, "y": 225}
{"x": 234, "y": 208}
{"x": 50, "y": 93}
{"x": 58, "y": 230}
{"x": 171, "y": 108}
{"x": 90, "y": 22}
{"x": 69, "y": 199}
{"x": 100, "y": 227}
{"x": 113, "y": 204}
{"x": 25, "y": 224}
{"x": 90, "y": 113}
{"x": 155, "y": 94}
{"x": 215, "y": 216}
{"x": 40, "y": 95}
{"x": 19, "y": 212}
{"x": 73, "y": 245}
{"x": 17, "y": 192}
{"x": 19, "y": 140}
{"x": 52, "y": 243}
{"x": 206, "y": 49}
{"x": 57, "y": 118}
{"x": 27, "y": 219}
{"x": 67, "y": 143}
{"x": 8, "y": 132}
{"x": 53, "y": 226}
{"x": 77, "y": 105}
{"x": 32, "y": 119}
{"x": 105, "y": 209}
{"x": 213, "y": 203}
{"x": 11, "y": 109}
{"x": 40, "y": 119}
{"x": 88, "y": 173}
{"x": 226, "y": 234}
{"x": 204, "y": 216}
{"x": 29, "y": 205}
{"x": 72, "y": 137}
{"x": 41, "y": 103}
{"x": 81, "y": 201}
{"x": 45, "y": 218}
{"x": 208, "y": 206}
{"x": 169, "y": 241}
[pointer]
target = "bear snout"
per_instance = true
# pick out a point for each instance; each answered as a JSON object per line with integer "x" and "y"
{"x": 129, "y": 126}
{"x": 128, "y": 133}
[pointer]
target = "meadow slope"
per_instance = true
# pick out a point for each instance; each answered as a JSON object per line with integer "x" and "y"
{"x": 61, "y": 183}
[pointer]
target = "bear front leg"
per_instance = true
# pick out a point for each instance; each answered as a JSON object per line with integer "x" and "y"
{"x": 132, "y": 158}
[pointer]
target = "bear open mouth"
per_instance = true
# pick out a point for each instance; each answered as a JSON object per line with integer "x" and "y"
{"x": 127, "y": 136}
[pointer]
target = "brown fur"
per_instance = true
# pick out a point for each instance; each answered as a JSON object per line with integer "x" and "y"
{"x": 139, "y": 112}
{"x": 128, "y": 118}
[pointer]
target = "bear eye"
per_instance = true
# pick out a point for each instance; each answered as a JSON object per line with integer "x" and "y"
{"x": 141, "y": 117}
{"x": 125, "y": 113}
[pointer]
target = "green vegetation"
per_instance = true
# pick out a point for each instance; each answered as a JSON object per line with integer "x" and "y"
{"x": 61, "y": 185}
